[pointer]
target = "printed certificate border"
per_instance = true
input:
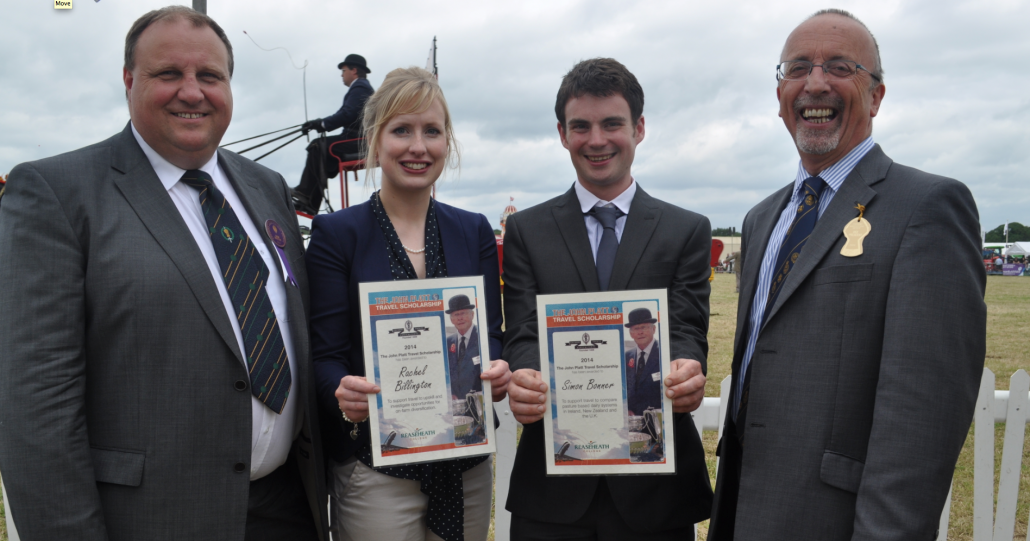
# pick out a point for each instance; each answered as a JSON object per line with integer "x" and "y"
{"x": 604, "y": 466}
{"x": 432, "y": 453}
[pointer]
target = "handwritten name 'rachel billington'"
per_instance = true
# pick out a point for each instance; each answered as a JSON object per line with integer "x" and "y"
{"x": 410, "y": 385}
{"x": 591, "y": 386}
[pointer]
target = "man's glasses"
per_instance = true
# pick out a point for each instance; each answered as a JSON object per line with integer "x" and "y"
{"x": 799, "y": 70}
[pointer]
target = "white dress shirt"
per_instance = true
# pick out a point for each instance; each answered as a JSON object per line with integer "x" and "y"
{"x": 647, "y": 353}
{"x": 588, "y": 201}
{"x": 272, "y": 434}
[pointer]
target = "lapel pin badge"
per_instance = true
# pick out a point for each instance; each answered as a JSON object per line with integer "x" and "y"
{"x": 278, "y": 237}
{"x": 856, "y": 231}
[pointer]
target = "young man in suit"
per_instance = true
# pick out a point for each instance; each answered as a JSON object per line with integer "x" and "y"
{"x": 643, "y": 364}
{"x": 606, "y": 233}
{"x": 321, "y": 163}
{"x": 854, "y": 376}
{"x": 156, "y": 382}
{"x": 463, "y": 353}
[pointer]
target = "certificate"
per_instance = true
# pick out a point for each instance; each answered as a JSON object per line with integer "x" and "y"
{"x": 425, "y": 347}
{"x": 605, "y": 357}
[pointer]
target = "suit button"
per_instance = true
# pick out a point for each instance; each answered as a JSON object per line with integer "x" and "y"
{"x": 240, "y": 385}
{"x": 239, "y": 467}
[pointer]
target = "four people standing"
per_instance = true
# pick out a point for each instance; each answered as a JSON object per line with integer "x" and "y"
{"x": 139, "y": 390}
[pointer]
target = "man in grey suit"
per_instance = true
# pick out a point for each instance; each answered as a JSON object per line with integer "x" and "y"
{"x": 155, "y": 380}
{"x": 606, "y": 233}
{"x": 854, "y": 375}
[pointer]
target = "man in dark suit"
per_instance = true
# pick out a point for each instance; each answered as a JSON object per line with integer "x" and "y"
{"x": 854, "y": 376}
{"x": 643, "y": 364}
{"x": 156, "y": 383}
{"x": 323, "y": 163}
{"x": 606, "y": 233}
{"x": 463, "y": 353}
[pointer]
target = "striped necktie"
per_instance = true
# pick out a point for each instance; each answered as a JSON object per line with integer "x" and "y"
{"x": 245, "y": 275}
{"x": 805, "y": 216}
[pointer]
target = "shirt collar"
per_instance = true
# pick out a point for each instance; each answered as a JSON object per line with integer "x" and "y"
{"x": 623, "y": 201}
{"x": 835, "y": 174}
{"x": 167, "y": 173}
{"x": 647, "y": 350}
{"x": 468, "y": 334}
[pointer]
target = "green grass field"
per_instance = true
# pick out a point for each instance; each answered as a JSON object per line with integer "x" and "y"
{"x": 1008, "y": 317}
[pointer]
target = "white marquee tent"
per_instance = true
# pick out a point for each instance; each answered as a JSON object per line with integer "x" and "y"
{"x": 1019, "y": 248}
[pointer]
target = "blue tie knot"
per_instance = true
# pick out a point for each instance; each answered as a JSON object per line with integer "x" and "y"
{"x": 606, "y": 215}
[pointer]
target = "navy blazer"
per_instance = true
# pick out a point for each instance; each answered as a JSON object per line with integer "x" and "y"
{"x": 647, "y": 392}
{"x": 464, "y": 373}
{"x": 349, "y": 117}
{"x": 347, "y": 248}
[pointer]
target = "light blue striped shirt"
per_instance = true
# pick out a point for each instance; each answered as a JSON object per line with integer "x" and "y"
{"x": 834, "y": 177}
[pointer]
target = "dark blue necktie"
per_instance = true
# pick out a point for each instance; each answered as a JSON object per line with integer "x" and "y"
{"x": 245, "y": 276}
{"x": 609, "y": 244}
{"x": 806, "y": 214}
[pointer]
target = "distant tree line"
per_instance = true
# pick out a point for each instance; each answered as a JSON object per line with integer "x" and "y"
{"x": 1017, "y": 233}
{"x": 725, "y": 232}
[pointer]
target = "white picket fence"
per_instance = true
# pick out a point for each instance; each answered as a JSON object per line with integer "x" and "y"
{"x": 1009, "y": 407}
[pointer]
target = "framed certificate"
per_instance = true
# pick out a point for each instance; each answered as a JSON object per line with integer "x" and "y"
{"x": 605, "y": 357}
{"x": 425, "y": 347}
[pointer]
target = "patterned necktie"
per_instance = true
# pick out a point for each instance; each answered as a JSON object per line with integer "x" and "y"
{"x": 641, "y": 361}
{"x": 245, "y": 275}
{"x": 609, "y": 243}
{"x": 805, "y": 216}
{"x": 461, "y": 349}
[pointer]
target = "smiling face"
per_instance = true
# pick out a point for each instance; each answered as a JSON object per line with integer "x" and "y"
{"x": 178, "y": 91}
{"x": 413, "y": 149}
{"x": 602, "y": 139}
{"x": 642, "y": 334}
{"x": 462, "y": 320}
{"x": 829, "y": 116}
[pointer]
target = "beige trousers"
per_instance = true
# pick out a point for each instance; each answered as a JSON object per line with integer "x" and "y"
{"x": 369, "y": 506}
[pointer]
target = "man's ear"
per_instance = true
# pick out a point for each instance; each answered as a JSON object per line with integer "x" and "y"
{"x": 561, "y": 134}
{"x": 638, "y": 129}
{"x": 128, "y": 80}
{"x": 878, "y": 94}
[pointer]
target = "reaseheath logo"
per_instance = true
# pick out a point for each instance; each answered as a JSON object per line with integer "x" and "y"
{"x": 62, "y": 4}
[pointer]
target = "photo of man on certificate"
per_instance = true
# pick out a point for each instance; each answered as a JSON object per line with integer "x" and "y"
{"x": 464, "y": 360}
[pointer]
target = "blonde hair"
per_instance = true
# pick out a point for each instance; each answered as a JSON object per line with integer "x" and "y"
{"x": 404, "y": 91}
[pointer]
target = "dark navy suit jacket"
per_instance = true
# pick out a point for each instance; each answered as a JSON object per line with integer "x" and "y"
{"x": 347, "y": 248}
{"x": 350, "y": 115}
{"x": 646, "y": 392}
{"x": 464, "y": 373}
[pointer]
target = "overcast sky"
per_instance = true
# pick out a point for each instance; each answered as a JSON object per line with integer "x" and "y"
{"x": 957, "y": 101}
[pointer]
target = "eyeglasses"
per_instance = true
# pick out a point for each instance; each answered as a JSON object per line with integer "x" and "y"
{"x": 799, "y": 70}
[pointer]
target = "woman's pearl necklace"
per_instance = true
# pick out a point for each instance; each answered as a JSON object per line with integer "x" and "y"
{"x": 410, "y": 251}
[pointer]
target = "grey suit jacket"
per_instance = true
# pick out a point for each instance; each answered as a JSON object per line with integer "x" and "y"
{"x": 865, "y": 374}
{"x": 120, "y": 416}
{"x": 547, "y": 250}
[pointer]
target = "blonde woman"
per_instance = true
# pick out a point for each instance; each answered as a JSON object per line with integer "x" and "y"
{"x": 401, "y": 233}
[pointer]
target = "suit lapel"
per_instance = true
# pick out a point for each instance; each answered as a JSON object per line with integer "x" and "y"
{"x": 259, "y": 208}
{"x": 455, "y": 245}
{"x": 569, "y": 217}
{"x": 641, "y": 223}
{"x": 138, "y": 183}
{"x": 764, "y": 220}
{"x": 855, "y": 189}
